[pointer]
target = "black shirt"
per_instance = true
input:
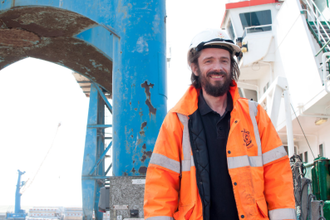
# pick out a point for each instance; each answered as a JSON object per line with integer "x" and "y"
{"x": 223, "y": 205}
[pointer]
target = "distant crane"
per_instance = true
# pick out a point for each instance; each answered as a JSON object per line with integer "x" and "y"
{"x": 19, "y": 214}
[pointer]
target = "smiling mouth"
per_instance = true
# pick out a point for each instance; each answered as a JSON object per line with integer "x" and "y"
{"x": 216, "y": 76}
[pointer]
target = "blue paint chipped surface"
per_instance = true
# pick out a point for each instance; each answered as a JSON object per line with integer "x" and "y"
{"x": 142, "y": 49}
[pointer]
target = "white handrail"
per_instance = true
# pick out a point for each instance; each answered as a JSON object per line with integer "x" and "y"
{"x": 315, "y": 18}
{"x": 258, "y": 26}
{"x": 251, "y": 27}
{"x": 326, "y": 42}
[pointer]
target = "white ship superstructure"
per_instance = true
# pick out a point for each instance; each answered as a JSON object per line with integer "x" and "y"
{"x": 283, "y": 43}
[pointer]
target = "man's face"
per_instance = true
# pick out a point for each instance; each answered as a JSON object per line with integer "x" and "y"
{"x": 214, "y": 70}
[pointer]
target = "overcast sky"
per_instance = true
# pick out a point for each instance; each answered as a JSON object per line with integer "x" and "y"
{"x": 36, "y": 96}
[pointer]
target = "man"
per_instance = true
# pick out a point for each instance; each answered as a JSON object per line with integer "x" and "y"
{"x": 217, "y": 155}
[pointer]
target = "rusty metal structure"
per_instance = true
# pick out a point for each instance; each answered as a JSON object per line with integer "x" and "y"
{"x": 119, "y": 46}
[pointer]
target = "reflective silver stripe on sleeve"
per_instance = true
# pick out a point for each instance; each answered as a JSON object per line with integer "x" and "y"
{"x": 243, "y": 161}
{"x": 165, "y": 162}
{"x": 160, "y": 218}
{"x": 256, "y": 161}
{"x": 282, "y": 214}
{"x": 274, "y": 154}
{"x": 253, "y": 109}
{"x": 186, "y": 163}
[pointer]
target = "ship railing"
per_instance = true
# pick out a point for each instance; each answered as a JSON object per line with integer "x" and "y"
{"x": 314, "y": 15}
{"x": 255, "y": 29}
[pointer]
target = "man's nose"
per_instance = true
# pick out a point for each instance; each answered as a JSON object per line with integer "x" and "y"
{"x": 218, "y": 67}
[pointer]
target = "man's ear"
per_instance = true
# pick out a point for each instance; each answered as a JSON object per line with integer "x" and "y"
{"x": 194, "y": 69}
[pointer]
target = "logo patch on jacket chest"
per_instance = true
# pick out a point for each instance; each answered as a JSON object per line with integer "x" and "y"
{"x": 247, "y": 138}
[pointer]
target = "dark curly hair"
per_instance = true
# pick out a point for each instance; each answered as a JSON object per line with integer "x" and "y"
{"x": 193, "y": 59}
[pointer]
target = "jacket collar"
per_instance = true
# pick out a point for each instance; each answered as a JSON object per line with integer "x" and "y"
{"x": 188, "y": 104}
{"x": 204, "y": 108}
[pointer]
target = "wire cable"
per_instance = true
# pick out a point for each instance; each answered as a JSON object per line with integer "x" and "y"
{"x": 302, "y": 130}
{"x": 51, "y": 146}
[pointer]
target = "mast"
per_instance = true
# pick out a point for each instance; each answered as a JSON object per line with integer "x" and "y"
{"x": 18, "y": 194}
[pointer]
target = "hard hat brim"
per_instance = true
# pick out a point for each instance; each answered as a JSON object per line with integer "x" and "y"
{"x": 235, "y": 48}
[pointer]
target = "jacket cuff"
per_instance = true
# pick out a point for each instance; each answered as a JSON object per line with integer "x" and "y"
{"x": 282, "y": 214}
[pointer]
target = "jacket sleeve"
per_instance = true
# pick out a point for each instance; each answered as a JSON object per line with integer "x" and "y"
{"x": 278, "y": 181}
{"x": 163, "y": 174}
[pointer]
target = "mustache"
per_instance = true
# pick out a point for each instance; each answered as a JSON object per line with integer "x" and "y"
{"x": 219, "y": 73}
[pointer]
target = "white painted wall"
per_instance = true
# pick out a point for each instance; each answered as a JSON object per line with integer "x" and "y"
{"x": 314, "y": 139}
{"x": 303, "y": 147}
{"x": 259, "y": 45}
{"x": 266, "y": 78}
{"x": 295, "y": 50}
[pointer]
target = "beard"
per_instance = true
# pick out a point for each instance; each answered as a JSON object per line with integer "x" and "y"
{"x": 220, "y": 88}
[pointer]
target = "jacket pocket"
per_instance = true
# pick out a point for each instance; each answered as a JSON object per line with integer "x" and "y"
{"x": 262, "y": 208}
{"x": 184, "y": 212}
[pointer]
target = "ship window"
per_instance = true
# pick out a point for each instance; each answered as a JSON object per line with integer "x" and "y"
{"x": 230, "y": 30}
{"x": 256, "y": 19}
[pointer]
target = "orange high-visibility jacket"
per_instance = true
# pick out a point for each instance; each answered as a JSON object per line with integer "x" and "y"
{"x": 257, "y": 164}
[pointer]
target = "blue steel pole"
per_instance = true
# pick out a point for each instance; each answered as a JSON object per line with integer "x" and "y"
{"x": 89, "y": 185}
{"x": 100, "y": 150}
{"x": 139, "y": 83}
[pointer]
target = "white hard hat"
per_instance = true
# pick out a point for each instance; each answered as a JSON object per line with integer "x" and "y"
{"x": 213, "y": 37}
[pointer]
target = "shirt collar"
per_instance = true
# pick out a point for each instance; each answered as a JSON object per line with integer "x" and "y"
{"x": 205, "y": 109}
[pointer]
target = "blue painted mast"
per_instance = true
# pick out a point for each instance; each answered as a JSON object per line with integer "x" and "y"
{"x": 138, "y": 84}
{"x": 18, "y": 194}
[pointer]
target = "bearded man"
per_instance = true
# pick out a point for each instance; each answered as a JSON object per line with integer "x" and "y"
{"x": 217, "y": 155}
